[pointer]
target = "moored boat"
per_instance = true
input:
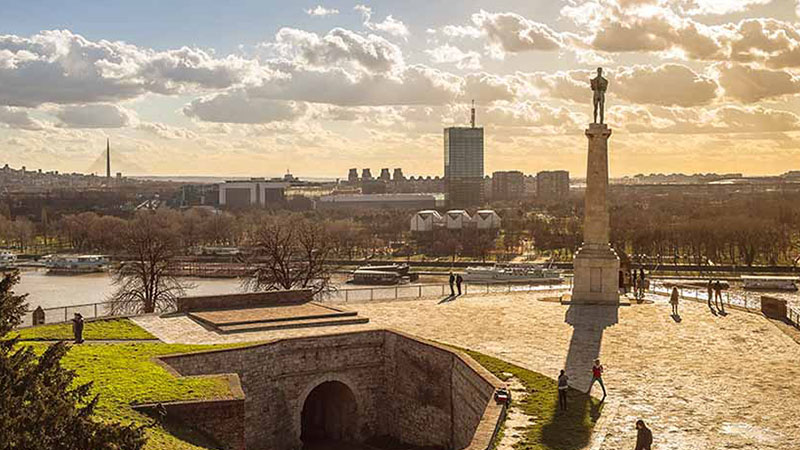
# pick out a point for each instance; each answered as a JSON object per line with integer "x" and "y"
{"x": 76, "y": 264}
{"x": 767, "y": 282}
{"x": 8, "y": 260}
{"x": 512, "y": 273}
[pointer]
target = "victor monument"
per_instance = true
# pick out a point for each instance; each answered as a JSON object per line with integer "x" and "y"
{"x": 596, "y": 263}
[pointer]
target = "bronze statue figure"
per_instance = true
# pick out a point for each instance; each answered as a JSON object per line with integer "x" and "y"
{"x": 599, "y": 86}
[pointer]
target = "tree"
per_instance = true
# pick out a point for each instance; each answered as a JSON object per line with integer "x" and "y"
{"x": 145, "y": 283}
{"x": 290, "y": 252}
{"x": 39, "y": 407}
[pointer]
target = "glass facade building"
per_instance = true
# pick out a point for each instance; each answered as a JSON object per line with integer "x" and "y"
{"x": 463, "y": 165}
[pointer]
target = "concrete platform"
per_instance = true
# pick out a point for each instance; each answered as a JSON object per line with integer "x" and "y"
{"x": 304, "y": 315}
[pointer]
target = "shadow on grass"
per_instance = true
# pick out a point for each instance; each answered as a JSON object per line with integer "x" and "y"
{"x": 571, "y": 429}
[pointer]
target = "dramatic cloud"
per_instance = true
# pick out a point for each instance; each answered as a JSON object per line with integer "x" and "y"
{"x": 572, "y": 85}
{"x": 322, "y": 11}
{"x": 18, "y": 118}
{"x": 514, "y": 33}
{"x": 668, "y": 84}
{"x": 339, "y": 47}
{"x": 749, "y": 84}
{"x": 61, "y": 67}
{"x": 390, "y": 25}
{"x": 95, "y": 116}
{"x": 238, "y": 107}
{"x": 448, "y": 54}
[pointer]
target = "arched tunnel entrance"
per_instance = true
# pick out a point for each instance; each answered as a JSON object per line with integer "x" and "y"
{"x": 329, "y": 415}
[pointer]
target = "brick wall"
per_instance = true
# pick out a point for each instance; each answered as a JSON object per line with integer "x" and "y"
{"x": 419, "y": 393}
{"x": 246, "y": 300}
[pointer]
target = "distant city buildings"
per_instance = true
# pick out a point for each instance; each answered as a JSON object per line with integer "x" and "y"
{"x": 463, "y": 164}
{"x": 373, "y": 201}
{"x": 255, "y": 192}
{"x": 552, "y": 186}
{"x": 508, "y": 185}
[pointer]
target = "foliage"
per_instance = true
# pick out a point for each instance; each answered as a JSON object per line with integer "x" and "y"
{"x": 116, "y": 329}
{"x": 145, "y": 283}
{"x": 42, "y": 407}
{"x": 289, "y": 253}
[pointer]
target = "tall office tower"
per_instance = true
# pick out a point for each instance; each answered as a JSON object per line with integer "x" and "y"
{"x": 108, "y": 158}
{"x": 352, "y": 176}
{"x": 463, "y": 164}
{"x": 366, "y": 175}
{"x": 385, "y": 176}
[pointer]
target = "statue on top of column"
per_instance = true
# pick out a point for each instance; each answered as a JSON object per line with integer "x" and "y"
{"x": 599, "y": 86}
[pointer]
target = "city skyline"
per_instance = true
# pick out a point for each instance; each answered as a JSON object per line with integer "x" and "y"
{"x": 697, "y": 86}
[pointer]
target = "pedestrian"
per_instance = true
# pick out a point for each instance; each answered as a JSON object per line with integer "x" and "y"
{"x": 77, "y": 328}
{"x": 644, "y": 437}
{"x": 621, "y": 282}
{"x": 641, "y": 283}
{"x": 673, "y": 300}
{"x": 563, "y": 386}
{"x": 459, "y": 280}
{"x": 633, "y": 281}
{"x": 597, "y": 375}
{"x": 718, "y": 296}
{"x": 710, "y": 292}
{"x": 452, "y": 280}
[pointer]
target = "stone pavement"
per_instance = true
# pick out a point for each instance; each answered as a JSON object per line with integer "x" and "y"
{"x": 706, "y": 382}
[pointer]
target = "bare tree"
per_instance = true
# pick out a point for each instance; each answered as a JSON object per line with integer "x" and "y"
{"x": 144, "y": 281}
{"x": 289, "y": 252}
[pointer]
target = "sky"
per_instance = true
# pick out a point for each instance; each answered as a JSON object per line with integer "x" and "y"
{"x": 258, "y": 87}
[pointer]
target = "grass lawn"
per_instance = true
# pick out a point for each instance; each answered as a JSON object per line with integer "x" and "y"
{"x": 124, "y": 373}
{"x": 550, "y": 429}
{"x": 98, "y": 329}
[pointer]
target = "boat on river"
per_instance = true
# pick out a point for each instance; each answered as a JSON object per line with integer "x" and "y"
{"x": 512, "y": 273}
{"x": 771, "y": 283}
{"x": 8, "y": 260}
{"x": 384, "y": 275}
{"x": 76, "y": 264}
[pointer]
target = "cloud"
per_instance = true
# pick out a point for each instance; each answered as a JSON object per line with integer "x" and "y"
{"x": 750, "y": 84}
{"x": 723, "y": 119}
{"x": 667, "y": 85}
{"x": 339, "y": 47}
{"x": 570, "y": 85}
{"x": 459, "y": 31}
{"x": 102, "y": 115}
{"x": 18, "y": 118}
{"x": 321, "y": 11}
{"x": 513, "y": 33}
{"x": 166, "y": 131}
{"x": 62, "y": 67}
{"x": 720, "y": 7}
{"x": 390, "y": 25}
{"x": 487, "y": 87}
{"x": 239, "y": 107}
{"x": 448, "y": 54}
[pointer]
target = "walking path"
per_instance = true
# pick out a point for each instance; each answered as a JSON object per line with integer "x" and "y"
{"x": 706, "y": 382}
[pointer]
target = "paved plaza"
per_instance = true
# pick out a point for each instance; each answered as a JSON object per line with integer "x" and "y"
{"x": 704, "y": 382}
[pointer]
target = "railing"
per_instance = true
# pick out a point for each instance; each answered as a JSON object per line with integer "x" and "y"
{"x": 744, "y": 300}
{"x": 60, "y": 314}
{"x": 411, "y": 291}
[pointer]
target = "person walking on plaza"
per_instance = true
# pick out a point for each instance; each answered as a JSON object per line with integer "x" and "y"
{"x": 597, "y": 375}
{"x": 710, "y": 292}
{"x": 673, "y": 300}
{"x": 641, "y": 283}
{"x": 644, "y": 437}
{"x": 622, "y": 282}
{"x": 633, "y": 281}
{"x": 459, "y": 280}
{"x": 718, "y": 296}
{"x": 452, "y": 280}
{"x": 563, "y": 386}
{"x": 77, "y": 328}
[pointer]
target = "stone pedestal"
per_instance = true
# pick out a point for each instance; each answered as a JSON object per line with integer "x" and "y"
{"x": 596, "y": 264}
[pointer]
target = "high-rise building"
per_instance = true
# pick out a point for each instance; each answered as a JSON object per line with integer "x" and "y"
{"x": 385, "y": 176}
{"x": 509, "y": 185}
{"x": 463, "y": 164}
{"x": 108, "y": 158}
{"x": 552, "y": 185}
{"x": 352, "y": 176}
{"x": 366, "y": 174}
{"x": 398, "y": 175}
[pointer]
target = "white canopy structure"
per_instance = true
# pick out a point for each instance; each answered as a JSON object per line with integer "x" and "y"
{"x": 487, "y": 219}
{"x": 456, "y": 219}
{"x": 425, "y": 220}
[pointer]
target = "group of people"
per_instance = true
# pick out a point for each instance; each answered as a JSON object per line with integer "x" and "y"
{"x": 644, "y": 437}
{"x": 455, "y": 280}
{"x": 637, "y": 281}
{"x": 715, "y": 289}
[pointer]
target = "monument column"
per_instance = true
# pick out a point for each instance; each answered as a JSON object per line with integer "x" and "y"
{"x": 596, "y": 265}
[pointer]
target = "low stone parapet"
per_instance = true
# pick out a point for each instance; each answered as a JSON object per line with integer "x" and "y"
{"x": 245, "y": 300}
{"x": 774, "y": 308}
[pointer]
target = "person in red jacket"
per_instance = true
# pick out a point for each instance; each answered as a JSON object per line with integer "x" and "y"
{"x": 597, "y": 375}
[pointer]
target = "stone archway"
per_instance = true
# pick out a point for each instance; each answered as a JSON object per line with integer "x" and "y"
{"x": 329, "y": 414}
